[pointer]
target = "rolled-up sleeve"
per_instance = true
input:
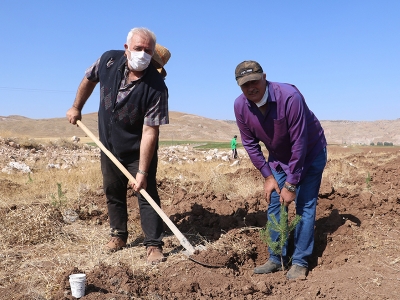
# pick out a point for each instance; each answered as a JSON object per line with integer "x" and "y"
{"x": 92, "y": 73}
{"x": 157, "y": 113}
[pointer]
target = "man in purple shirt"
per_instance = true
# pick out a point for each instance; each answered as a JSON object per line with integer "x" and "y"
{"x": 277, "y": 115}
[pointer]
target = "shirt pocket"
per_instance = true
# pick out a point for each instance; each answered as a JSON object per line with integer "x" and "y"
{"x": 281, "y": 140}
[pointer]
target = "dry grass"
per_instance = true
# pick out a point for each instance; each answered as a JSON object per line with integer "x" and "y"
{"x": 43, "y": 224}
{"x": 34, "y": 238}
{"x": 211, "y": 176}
{"x": 41, "y": 186}
{"x": 343, "y": 168}
{"x": 33, "y": 234}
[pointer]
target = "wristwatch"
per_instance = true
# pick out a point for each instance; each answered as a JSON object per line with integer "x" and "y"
{"x": 290, "y": 187}
{"x": 143, "y": 172}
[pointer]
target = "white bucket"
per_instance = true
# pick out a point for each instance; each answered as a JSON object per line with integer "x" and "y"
{"x": 78, "y": 283}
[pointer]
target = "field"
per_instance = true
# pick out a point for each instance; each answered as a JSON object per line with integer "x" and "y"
{"x": 54, "y": 223}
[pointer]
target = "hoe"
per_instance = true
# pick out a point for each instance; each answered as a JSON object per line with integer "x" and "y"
{"x": 182, "y": 239}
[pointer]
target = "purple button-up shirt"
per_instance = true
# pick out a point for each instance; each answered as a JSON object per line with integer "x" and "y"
{"x": 291, "y": 132}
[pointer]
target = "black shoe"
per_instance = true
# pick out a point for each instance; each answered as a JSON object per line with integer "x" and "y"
{"x": 297, "y": 272}
{"x": 268, "y": 267}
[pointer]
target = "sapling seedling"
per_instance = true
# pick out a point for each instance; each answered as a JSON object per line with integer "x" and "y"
{"x": 60, "y": 198}
{"x": 368, "y": 180}
{"x": 282, "y": 227}
{"x": 29, "y": 178}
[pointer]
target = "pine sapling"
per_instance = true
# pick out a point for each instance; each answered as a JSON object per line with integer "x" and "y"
{"x": 282, "y": 227}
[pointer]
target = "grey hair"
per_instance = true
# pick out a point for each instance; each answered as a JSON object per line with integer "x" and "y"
{"x": 144, "y": 31}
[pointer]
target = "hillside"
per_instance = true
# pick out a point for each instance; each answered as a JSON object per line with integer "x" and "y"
{"x": 349, "y": 132}
{"x": 196, "y": 128}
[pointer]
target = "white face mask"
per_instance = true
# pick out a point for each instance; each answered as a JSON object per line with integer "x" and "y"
{"x": 139, "y": 61}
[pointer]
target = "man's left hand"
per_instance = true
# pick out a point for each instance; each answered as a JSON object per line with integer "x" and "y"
{"x": 141, "y": 182}
{"x": 287, "y": 197}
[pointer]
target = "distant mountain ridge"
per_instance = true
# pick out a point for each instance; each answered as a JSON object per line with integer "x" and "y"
{"x": 189, "y": 127}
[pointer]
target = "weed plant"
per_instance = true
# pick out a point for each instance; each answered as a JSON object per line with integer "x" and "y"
{"x": 368, "y": 180}
{"x": 60, "y": 199}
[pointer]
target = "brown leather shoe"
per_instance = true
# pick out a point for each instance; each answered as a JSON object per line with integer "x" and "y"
{"x": 268, "y": 267}
{"x": 297, "y": 272}
{"x": 115, "y": 244}
{"x": 154, "y": 255}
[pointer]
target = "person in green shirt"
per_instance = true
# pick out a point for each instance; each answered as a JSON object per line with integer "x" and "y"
{"x": 233, "y": 147}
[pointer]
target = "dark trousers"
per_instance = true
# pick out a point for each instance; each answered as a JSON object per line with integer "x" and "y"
{"x": 234, "y": 153}
{"x": 115, "y": 187}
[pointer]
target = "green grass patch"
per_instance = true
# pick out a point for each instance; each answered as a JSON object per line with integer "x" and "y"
{"x": 199, "y": 145}
{"x": 196, "y": 144}
{"x": 175, "y": 143}
{"x": 213, "y": 145}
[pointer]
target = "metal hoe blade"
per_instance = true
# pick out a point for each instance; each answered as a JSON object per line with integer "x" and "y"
{"x": 197, "y": 249}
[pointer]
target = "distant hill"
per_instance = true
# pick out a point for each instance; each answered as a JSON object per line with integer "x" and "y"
{"x": 13, "y": 118}
{"x": 190, "y": 127}
{"x": 362, "y": 132}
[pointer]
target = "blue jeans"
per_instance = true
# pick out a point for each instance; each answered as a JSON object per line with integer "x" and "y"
{"x": 306, "y": 203}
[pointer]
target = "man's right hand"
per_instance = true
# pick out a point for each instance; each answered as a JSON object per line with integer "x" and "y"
{"x": 73, "y": 115}
{"x": 270, "y": 185}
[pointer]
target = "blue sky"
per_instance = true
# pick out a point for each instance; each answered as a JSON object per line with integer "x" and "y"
{"x": 343, "y": 55}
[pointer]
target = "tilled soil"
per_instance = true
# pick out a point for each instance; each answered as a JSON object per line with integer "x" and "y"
{"x": 356, "y": 252}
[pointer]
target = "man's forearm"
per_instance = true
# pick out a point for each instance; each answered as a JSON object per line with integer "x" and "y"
{"x": 85, "y": 89}
{"x": 148, "y": 146}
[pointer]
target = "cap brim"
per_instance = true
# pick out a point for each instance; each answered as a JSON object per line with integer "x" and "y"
{"x": 250, "y": 77}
